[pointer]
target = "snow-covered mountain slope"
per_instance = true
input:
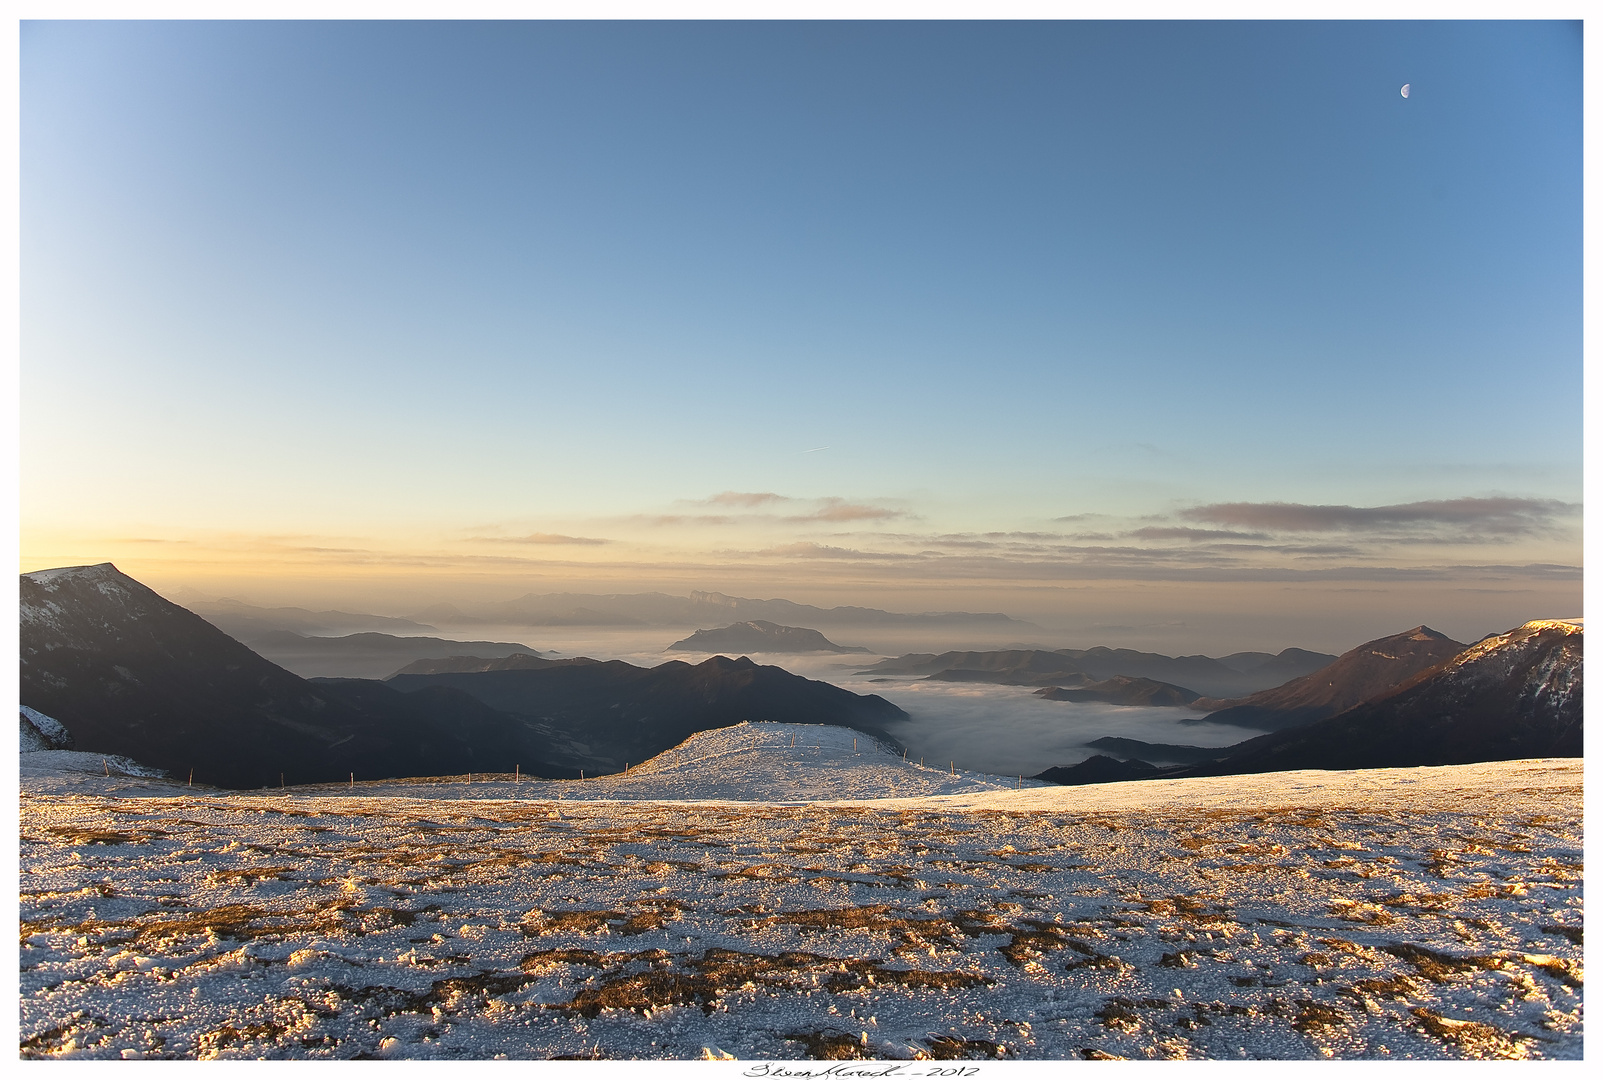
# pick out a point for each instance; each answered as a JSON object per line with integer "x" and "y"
{"x": 1543, "y": 657}
{"x": 1412, "y": 913}
{"x": 750, "y": 762}
{"x": 761, "y": 762}
{"x": 1514, "y": 695}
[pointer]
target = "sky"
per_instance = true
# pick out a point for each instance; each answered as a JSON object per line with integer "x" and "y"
{"x": 1191, "y": 335}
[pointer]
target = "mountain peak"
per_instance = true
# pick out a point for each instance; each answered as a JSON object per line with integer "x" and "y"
{"x": 1423, "y": 633}
{"x": 1568, "y": 626}
{"x": 103, "y": 571}
{"x": 1372, "y": 669}
{"x": 1512, "y": 695}
{"x": 1511, "y": 640}
{"x": 759, "y": 635}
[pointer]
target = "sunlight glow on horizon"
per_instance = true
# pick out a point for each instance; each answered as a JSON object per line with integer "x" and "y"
{"x": 491, "y": 307}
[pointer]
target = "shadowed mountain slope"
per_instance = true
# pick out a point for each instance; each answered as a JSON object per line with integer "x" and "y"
{"x": 604, "y": 715}
{"x": 1158, "y": 753}
{"x": 1019, "y": 667}
{"x": 1515, "y": 695}
{"x": 1279, "y": 667}
{"x": 366, "y": 655}
{"x": 1080, "y": 667}
{"x": 1368, "y": 671}
{"x": 1123, "y": 690}
{"x": 133, "y": 674}
{"x": 453, "y": 664}
{"x": 1098, "y": 769}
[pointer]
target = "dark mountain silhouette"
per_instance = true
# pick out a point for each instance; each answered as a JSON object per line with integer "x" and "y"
{"x": 514, "y": 662}
{"x": 1158, "y": 752}
{"x": 135, "y": 675}
{"x": 1281, "y": 666}
{"x": 1078, "y": 668}
{"x": 1201, "y": 673}
{"x": 1123, "y": 690}
{"x": 1018, "y": 667}
{"x": 242, "y": 621}
{"x": 366, "y": 655}
{"x": 1514, "y": 695}
{"x": 759, "y": 636}
{"x": 604, "y": 715}
{"x": 1099, "y": 769}
{"x": 1371, "y": 669}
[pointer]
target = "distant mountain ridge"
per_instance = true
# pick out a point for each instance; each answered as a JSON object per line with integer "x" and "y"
{"x": 1123, "y": 690}
{"x": 132, "y": 674}
{"x": 697, "y": 609}
{"x": 1513, "y": 695}
{"x": 759, "y": 635}
{"x": 367, "y": 655}
{"x": 1372, "y": 668}
{"x": 1072, "y": 668}
{"x": 241, "y": 621}
{"x": 453, "y": 664}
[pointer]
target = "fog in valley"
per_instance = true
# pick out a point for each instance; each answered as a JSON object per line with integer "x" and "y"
{"x": 997, "y": 729}
{"x": 1008, "y": 730}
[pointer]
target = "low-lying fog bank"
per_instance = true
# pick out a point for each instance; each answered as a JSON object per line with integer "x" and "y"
{"x": 1008, "y": 730}
{"x": 1005, "y": 730}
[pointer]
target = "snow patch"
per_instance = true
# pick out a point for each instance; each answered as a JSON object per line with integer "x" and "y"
{"x": 37, "y": 764}
{"x": 98, "y": 572}
{"x": 41, "y": 732}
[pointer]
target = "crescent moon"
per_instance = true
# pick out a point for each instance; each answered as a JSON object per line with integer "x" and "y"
{"x": 1405, "y": 88}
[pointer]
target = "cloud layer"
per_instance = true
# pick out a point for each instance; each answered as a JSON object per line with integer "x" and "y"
{"x": 1502, "y": 516}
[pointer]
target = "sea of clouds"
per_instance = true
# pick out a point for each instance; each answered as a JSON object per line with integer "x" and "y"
{"x": 1005, "y": 730}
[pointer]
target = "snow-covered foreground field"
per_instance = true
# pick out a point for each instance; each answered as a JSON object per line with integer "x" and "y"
{"x": 1427, "y": 913}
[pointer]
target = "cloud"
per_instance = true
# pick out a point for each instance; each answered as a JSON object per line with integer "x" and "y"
{"x": 1493, "y": 515}
{"x": 1180, "y": 532}
{"x": 841, "y": 510}
{"x": 544, "y": 538}
{"x": 829, "y": 508}
{"x": 745, "y": 498}
{"x": 656, "y": 520}
{"x": 809, "y": 550}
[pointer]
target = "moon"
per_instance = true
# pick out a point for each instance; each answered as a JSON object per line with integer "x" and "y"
{"x": 1405, "y": 88}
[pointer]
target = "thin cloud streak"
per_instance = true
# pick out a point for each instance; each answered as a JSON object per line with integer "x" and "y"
{"x": 1180, "y": 532}
{"x": 1496, "y": 515}
{"x": 541, "y": 538}
{"x": 744, "y": 498}
{"x": 841, "y": 510}
{"x": 808, "y": 550}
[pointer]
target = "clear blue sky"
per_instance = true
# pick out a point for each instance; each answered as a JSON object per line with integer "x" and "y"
{"x": 367, "y": 279}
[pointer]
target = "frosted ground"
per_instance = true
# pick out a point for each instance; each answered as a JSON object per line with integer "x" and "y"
{"x": 864, "y": 908}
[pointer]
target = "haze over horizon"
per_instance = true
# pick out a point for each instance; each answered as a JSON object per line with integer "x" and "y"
{"x": 1191, "y": 337}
